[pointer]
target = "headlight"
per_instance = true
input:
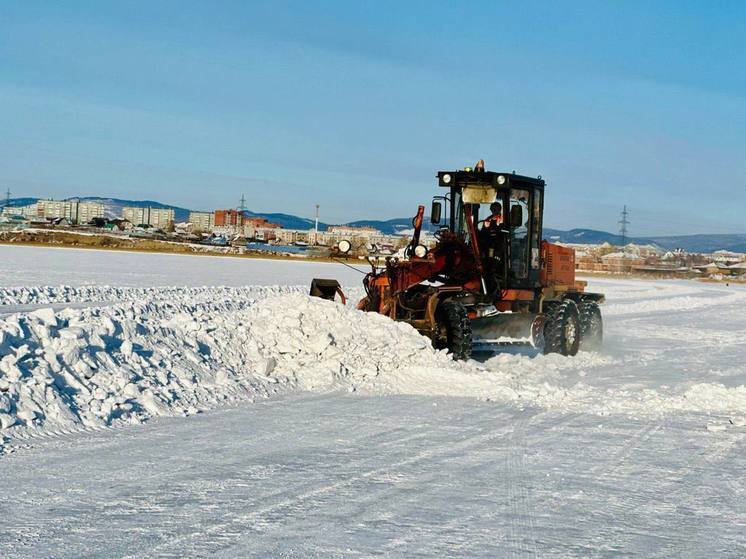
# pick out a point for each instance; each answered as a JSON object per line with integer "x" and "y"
{"x": 447, "y": 178}
{"x": 501, "y": 179}
{"x": 420, "y": 251}
{"x": 344, "y": 246}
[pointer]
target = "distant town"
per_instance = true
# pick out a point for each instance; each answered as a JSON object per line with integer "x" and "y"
{"x": 650, "y": 260}
{"x": 229, "y": 228}
{"x": 233, "y": 231}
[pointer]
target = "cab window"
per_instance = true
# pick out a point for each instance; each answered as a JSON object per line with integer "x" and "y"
{"x": 519, "y": 238}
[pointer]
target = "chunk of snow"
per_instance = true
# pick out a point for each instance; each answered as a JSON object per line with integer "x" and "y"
{"x": 46, "y": 316}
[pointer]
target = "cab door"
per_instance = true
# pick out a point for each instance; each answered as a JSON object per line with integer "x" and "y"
{"x": 525, "y": 236}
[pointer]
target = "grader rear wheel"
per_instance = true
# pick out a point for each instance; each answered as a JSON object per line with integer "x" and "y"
{"x": 591, "y": 326}
{"x": 562, "y": 331}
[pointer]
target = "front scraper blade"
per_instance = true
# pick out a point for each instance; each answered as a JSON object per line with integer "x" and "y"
{"x": 493, "y": 332}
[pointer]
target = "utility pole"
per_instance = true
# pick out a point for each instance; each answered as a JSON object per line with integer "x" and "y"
{"x": 316, "y": 227}
{"x": 241, "y": 212}
{"x": 623, "y": 226}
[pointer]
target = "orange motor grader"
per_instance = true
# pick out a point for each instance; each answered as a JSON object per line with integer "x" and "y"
{"x": 489, "y": 279}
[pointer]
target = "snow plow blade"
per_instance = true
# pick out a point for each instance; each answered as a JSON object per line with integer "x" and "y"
{"x": 327, "y": 289}
{"x": 501, "y": 329}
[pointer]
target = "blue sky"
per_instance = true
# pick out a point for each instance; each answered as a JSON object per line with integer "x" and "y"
{"x": 356, "y": 105}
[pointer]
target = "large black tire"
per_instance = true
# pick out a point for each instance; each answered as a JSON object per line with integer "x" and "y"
{"x": 539, "y": 325}
{"x": 454, "y": 330}
{"x": 562, "y": 329}
{"x": 591, "y": 326}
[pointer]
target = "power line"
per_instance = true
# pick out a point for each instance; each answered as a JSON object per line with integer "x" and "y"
{"x": 623, "y": 226}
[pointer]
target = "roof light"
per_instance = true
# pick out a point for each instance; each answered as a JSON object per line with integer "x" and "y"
{"x": 447, "y": 178}
{"x": 344, "y": 246}
{"x": 501, "y": 179}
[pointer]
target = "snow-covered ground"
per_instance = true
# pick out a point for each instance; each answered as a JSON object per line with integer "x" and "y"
{"x": 35, "y": 266}
{"x": 328, "y": 432}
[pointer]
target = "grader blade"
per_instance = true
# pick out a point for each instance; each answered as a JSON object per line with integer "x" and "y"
{"x": 500, "y": 329}
{"x": 327, "y": 289}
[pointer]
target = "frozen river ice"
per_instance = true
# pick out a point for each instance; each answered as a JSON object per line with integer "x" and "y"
{"x": 388, "y": 450}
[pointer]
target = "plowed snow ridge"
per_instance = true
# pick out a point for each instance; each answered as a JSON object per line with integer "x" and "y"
{"x": 174, "y": 351}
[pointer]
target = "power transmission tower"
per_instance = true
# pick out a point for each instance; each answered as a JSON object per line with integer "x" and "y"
{"x": 623, "y": 226}
{"x": 242, "y": 204}
{"x": 7, "y": 198}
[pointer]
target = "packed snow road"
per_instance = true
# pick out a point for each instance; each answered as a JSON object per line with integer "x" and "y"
{"x": 397, "y": 476}
{"x": 330, "y": 432}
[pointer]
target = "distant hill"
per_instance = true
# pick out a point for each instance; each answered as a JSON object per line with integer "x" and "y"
{"x": 392, "y": 226}
{"x": 288, "y": 221}
{"x": 702, "y": 243}
{"x": 691, "y": 243}
{"x": 15, "y": 202}
{"x": 584, "y": 236}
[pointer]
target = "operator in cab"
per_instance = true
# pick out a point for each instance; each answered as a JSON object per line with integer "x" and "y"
{"x": 492, "y": 242}
{"x": 496, "y": 216}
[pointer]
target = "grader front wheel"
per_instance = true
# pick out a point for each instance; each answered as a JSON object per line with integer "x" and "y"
{"x": 454, "y": 330}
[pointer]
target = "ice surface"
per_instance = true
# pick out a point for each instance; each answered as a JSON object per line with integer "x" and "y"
{"x": 42, "y": 266}
{"x": 635, "y": 451}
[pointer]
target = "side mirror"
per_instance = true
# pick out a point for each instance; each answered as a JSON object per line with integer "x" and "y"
{"x": 435, "y": 212}
{"x": 516, "y": 216}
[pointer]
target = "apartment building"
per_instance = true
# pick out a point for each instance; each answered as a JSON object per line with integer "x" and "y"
{"x": 74, "y": 211}
{"x": 161, "y": 218}
{"x": 203, "y": 221}
{"x": 25, "y": 211}
{"x": 229, "y": 218}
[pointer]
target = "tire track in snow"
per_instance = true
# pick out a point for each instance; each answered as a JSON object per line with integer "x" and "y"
{"x": 27, "y": 535}
{"x": 220, "y": 534}
{"x": 203, "y": 541}
{"x": 440, "y": 539}
{"x": 522, "y": 523}
{"x": 443, "y": 539}
{"x": 725, "y": 446}
{"x": 633, "y": 444}
{"x": 523, "y": 518}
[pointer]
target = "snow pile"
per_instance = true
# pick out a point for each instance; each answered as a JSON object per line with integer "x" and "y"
{"x": 45, "y": 295}
{"x": 98, "y": 366}
{"x": 127, "y": 363}
{"x": 317, "y": 345}
{"x": 180, "y": 351}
